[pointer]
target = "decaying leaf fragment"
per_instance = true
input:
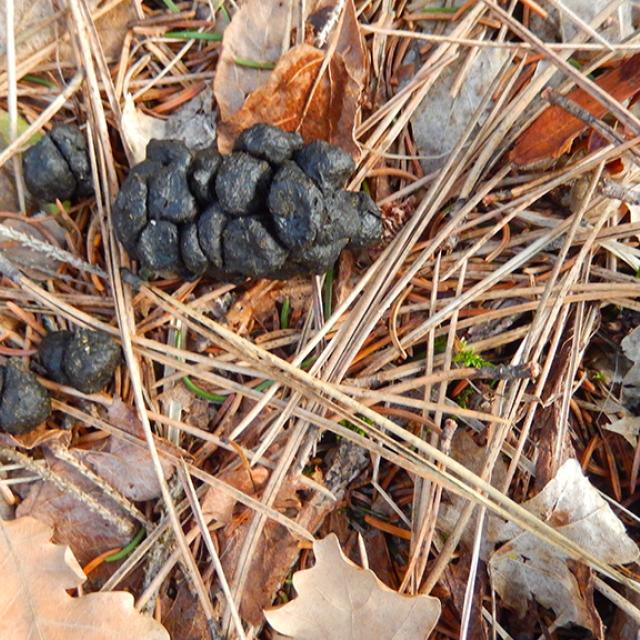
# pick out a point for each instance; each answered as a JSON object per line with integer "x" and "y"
{"x": 258, "y": 32}
{"x": 295, "y": 96}
{"x": 525, "y": 567}
{"x": 340, "y": 601}
{"x": 34, "y": 601}
{"x": 552, "y": 133}
{"x": 441, "y": 119}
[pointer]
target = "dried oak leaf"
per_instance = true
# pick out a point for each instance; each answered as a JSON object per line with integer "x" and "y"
{"x": 126, "y": 466}
{"x": 525, "y": 567}
{"x": 259, "y": 31}
{"x": 553, "y": 132}
{"x": 219, "y": 506}
{"x": 294, "y": 99}
{"x": 34, "y": 601}
{"x": 340, "y": 601}
{"x": 74, "y": 522}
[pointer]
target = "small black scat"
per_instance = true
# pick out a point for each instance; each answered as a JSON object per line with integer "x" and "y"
{"x": 242, "y": 182}
{"x": 158, "y": 247}
{"x": 82, "y": 359}
{"x": 327, "y": 165}
{"x": 202, "y": 173}
{"x": 296, "y": 205}
{"x": 57, "y": 166}
{"x": 269, "y": 143}
{"x": 249, "y": 249}
{"x": 24, "y": 402}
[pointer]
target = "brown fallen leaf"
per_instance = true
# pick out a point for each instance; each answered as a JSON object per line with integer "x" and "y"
{"x": 337, "y": 600}
{"x": 219, "y": 506}
{"x": 525, "y": 567}
{"x": 456, "y": 579}
{"x": 278, "y": 549}
{"x": 552, "y": 133}
{"x": 293, "y": 99}
{"x": 125, "y": 466}
{"x": 259, "y": 32}
{"x": 36, "y": 438}
{"x": 73, "y": 522}
{"x": 34, "y": 601}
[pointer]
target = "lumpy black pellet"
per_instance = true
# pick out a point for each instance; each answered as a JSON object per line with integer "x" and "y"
{"x": 82, "y": 359}
{"x": 57, "y": 166}
{"x": 269, "y": 143}
{"x": 24, "y": 402}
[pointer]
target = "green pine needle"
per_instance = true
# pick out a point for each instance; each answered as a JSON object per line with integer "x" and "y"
{"x": 194, "y": 35}
{"x": 171, "y": 5}
{"x": 255, "y": 64}
{"x": 125, "y": 551}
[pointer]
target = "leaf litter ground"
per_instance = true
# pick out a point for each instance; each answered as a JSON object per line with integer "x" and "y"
{"x": 433, "y": 403}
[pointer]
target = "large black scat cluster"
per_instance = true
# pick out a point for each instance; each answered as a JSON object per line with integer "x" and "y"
{"x": 275, "y": 207}
{"x": 82, "y": 359}
{"x": 57, "y": 166}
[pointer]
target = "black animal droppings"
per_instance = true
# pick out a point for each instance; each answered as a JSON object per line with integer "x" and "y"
{"x": 296, "y": 205}
{"x": 169, "y": 153}
{"x": 273, "y": 208}
{"x": 51, "y": 354}
{"x": 370, "y": 228}
{"x": 211, "y": 224}
{"x": 202, "y": 174}
{"x": 90, "y": 360}
{"x": 269, "y": 143}
{"x": 46, "y": 173}
{"x": 320, "y": 257}
{"x": 190, "y": 250}
{"x": 174, "y": 210}
{"x": 57, "y": 166}
{"x": 249, "y": 249}
{"x": 130, "y": 210}
{"x": 340, "y": 218}
{"x": 241, "y": 183}
{"x": 73, "y": 147}
{"x": 24, "y": 402}
{"x": 169, "y": 196}
{"x": 327, "y": 165}
{"x": 157, "y": 248}
{"x": 82, "y": 359}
